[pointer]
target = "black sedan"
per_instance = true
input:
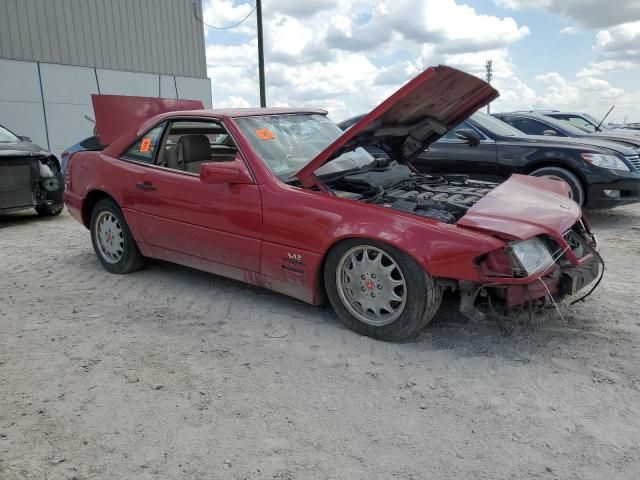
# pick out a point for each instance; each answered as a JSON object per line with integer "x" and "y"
{"x": 601, "y": 174}
{"x": 30, "y": 177}
{"x": 549, "y": 124}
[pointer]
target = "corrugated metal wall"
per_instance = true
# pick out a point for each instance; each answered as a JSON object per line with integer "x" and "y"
{"x": 152, "y": 36}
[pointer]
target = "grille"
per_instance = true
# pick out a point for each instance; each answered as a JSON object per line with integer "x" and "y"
{"x": 15, "y": 186}
{"x": 635, "y": 161}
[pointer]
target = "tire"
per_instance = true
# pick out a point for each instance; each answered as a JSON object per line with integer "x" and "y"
{"x": 559, "y": 173}
{"x": 50, "y": 210}
{"x": 112, "y": 241}
{"x": 421, "y": 296}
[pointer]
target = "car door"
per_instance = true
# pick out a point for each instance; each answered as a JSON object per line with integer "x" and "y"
{"x": 177, "y": 214}
{"x": 451, "y": 154}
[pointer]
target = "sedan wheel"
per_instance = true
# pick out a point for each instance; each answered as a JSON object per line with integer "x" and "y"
{"x": 371, "y": 285}
{"x": 576, "y": 191}
{"x": 110, "y": 237}
{"x": 378, "y": 290}
{"x": 112, "y": 241}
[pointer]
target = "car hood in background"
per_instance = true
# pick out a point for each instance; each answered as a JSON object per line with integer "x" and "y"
{"x": 576, "y": 142}
{"x": 615, "y": 136}
{"x": 21, "y": 149}
{"x": 415, "y": 116}
{"x": 523, "y": 207}
{"x": 117, "y": 114}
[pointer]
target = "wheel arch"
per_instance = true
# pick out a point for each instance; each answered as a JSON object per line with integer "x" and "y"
{"x": 321, "y": 288}
{"x": 560, "y": 164}
{"x": 90, "y": 201}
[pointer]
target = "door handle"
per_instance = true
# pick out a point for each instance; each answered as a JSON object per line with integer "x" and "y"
{"x": 146, "y": 186}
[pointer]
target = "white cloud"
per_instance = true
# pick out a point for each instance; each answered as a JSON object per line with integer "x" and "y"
{"x": 346, "y": 56}
{"x": 592, "y": 95}
{"x": 569, "y": 30}
{"x": 429, "y": 21}
{"x": 621, "y": 42}
{"x": 328, "y": 53}
{"x": 587, "y": 13}
{"x": 617, "y": 48}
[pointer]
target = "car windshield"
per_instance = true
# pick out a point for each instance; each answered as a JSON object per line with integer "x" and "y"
{"x": 595, "y": 122}
{"x": 495, "y": 125}
{"x": 6, "y": 136}
{"x": 566, "y": 126}
{"x": 286, "y": 143}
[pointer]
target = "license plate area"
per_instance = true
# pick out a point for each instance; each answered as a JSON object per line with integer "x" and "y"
{"x": 575, "y": 279}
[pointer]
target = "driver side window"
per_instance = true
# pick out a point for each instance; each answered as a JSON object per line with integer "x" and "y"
{"x": 190, "y": 143}
{"x": 529, "y": 126}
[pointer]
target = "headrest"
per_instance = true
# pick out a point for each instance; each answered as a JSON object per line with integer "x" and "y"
{"x": 195, "y": 148}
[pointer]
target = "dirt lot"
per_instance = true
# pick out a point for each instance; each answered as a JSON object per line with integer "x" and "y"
{"x": 171, "y": 373}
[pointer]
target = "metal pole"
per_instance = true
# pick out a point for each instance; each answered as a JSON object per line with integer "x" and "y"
{"x": 263, "y": 93}
{"x": 44, "y": 109}
{"x": 489, "y": 67}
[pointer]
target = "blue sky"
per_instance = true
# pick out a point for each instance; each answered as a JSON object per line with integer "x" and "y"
{"x": 348, "y": 55}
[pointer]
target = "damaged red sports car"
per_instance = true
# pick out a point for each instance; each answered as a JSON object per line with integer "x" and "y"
{"x": 282, "y": 199}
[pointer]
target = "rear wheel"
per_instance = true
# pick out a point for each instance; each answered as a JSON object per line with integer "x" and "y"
{"x": 379, "y": 291}
{"x": 112, "y": 241}
{"x": 576, "y": 191}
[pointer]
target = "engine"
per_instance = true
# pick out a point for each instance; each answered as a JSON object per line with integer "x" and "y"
{"x": 443, "y": 198}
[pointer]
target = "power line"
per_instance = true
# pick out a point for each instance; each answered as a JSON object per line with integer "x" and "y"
{"x": 195, "y": 14}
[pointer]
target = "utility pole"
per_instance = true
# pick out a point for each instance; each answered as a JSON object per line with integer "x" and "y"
{"x": 263, "y": 93}
{"x": 489, "y": 67}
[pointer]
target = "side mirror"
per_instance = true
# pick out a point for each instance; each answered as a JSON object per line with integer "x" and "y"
{"x": 468, "y": 135}
{"x": 24, "y": 138}
{"x": 550, "y": 133}
{"x": 231, "y": 173}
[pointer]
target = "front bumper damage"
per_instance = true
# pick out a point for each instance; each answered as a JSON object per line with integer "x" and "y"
{"x": 29, "y": 181}
{"x": 577, "y": 266}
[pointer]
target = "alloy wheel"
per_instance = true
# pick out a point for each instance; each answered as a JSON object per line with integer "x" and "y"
{"x": 109, "y": 237}
{"x": 371, "y": 285}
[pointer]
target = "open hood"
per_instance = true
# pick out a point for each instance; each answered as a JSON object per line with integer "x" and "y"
{"x": 117, "y": 114}
{"x": 415, "y": 116}
{"x": 523, "y": 207}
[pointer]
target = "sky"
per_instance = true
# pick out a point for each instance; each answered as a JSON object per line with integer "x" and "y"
{"x": 346, "y": 56}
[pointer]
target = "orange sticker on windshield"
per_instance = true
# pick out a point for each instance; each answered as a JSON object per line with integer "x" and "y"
{"x": 265, "y": 134}
{"x": 145, "y": 145}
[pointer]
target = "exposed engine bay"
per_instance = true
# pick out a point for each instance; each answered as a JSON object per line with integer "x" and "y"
{"x": 443, "y": 198}
{"x": 32, "y": 181}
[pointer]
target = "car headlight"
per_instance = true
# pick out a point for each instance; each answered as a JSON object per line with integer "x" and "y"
{"x": 530, "y": 256}
{"x": 611, "y": 162}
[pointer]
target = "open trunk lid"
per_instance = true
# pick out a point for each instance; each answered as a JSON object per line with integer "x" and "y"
{"x": 117, "y": 114}
{"x": 415, "y": 116}
{"x": 523, "y": 207}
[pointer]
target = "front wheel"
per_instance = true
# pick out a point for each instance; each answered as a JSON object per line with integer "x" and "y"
{"x": 112, "y": 241}
{"x": 576, "y": 191}
{"x": 379, "y": 291}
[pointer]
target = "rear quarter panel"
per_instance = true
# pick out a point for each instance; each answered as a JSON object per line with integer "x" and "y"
{"x": 87, "y": 172}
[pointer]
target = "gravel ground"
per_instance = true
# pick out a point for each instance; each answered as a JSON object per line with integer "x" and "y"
{"x": 171, "y": 373}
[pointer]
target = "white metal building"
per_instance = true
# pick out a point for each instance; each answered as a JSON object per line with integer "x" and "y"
{"x": 55, "y": 53}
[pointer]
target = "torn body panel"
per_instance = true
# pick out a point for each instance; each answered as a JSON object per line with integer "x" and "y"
{"x": 29, "y": 181}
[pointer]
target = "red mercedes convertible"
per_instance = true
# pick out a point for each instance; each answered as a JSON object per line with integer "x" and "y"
{"x": 283, "y": 199}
